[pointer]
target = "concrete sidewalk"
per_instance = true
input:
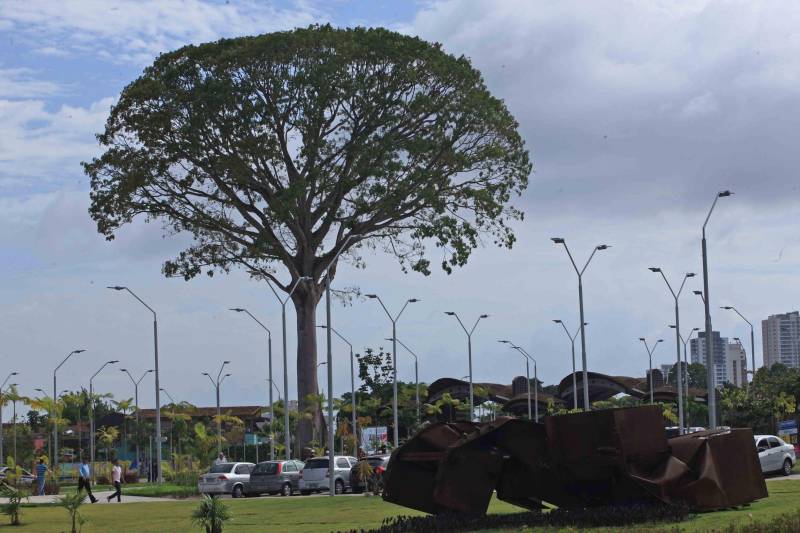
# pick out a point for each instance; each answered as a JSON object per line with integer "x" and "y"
{"x": 100, "y": 495}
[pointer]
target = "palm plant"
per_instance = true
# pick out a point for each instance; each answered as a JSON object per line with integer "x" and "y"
{"x": 72, "y": 503}
{"x": 211, "y": 514}
{"x": 125, "y": 407}
{"x": 107, "y": 436}
{"x": 13, "y": 507}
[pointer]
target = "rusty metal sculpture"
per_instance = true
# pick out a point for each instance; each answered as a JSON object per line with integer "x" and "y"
{"x": 607, "y": 457}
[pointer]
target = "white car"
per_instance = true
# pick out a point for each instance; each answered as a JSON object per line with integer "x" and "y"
{"x": 226, "y": 478}
{"x": 315, "y": 476}
{"x": 774, "y": 454}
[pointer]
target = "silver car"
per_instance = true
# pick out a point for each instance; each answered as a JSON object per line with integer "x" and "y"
{"x": 314, "y": 477}
{"x": 226, "y": 478}
{"x": 274, "y": 477}
{"x": 25, "y": 478}
{"x": 774, "y": 454}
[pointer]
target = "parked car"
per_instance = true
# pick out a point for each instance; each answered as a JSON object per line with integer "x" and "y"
{"x": 26, "y": 478}
{"x": 378, "y": 463}
{"x": 314, "y": 475}
{"x": 274, "y": 477}
{"x": 226, "y": 478}
{"x": 774, "y": 454}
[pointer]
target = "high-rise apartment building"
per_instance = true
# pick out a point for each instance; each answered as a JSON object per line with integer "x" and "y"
{"x": 698, "y": 355}
{"x": 736, "y": 364}
{"x": 780, "y": 335}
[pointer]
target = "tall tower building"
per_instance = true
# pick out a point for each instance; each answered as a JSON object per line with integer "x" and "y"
{"x": 698, "y": 355}
{"x": 780, "y": 335}
{"x": 736, "y": 364}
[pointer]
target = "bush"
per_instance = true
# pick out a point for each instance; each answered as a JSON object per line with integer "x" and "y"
{"x": 612, "y": 516}
{"x": 14, "y": 506}
{"x": 785, "y": 523}
{"x": 211, "y": 514}
{"x": 72, "y": 503}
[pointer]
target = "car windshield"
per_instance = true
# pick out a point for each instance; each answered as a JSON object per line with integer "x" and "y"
{"x": 265, "y": 468}
{"x": 316, "y": 463}
{"x": 222, "y": 468}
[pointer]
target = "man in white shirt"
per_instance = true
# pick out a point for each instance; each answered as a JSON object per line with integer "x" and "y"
{"x": 116, "y": 479}
{"x": 220, "y": 459}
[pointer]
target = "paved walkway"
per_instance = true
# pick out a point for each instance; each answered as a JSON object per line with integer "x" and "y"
{"x": 101, "y": 498}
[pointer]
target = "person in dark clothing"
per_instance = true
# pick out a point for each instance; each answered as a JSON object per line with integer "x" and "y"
{"x": 85, "y": 479}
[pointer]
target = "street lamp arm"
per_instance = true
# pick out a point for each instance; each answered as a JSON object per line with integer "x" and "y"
{"x": 742, "y": 316}
{"x": 713, "y": 204}
{"x": 401, "y": 310}
{"x": 594, "y": 251}
{"x": 210, "y": 379}
{"x": 258, "y": 322}
{"x": 476, "y": 324}
{"x": 569, "y": 254}
{"x": 385, "y": 310}
{"x": 70, "y": 354}
{"x": 668, "y": 284}
{"x": 401, "y": 343}
{"x": 453, "y": 313}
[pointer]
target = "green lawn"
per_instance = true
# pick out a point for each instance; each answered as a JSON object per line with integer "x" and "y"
{"x": 324, "y": 514}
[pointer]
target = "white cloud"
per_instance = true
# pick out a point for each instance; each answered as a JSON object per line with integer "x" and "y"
{"x": 21, "y": 83}
{"x": 138, "y": 30}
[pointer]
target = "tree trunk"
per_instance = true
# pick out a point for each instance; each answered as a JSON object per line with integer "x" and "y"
{"x": 305, "y": 301}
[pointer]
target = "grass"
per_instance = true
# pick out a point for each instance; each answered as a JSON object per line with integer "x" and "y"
{"x": 324, "y": 514}
{"x": 167, "y": 490}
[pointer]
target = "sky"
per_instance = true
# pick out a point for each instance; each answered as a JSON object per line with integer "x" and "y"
{"x": 635, "y": 115}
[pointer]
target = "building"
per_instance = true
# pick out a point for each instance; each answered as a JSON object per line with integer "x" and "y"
{"x": 665, "y": 370}
{"x": 780, "y": 335}
{"x": 698, "y": 355}
{"x": 736, "y": 364}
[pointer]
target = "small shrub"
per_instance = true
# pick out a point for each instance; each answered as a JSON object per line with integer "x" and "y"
{"x": 72, "y": 503}
{"x": 211, "y": 514}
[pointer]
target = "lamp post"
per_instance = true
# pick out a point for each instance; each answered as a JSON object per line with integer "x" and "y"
{"x": 752, "y": 338}
{"x": 352, "y": 384}
{"x": 91, "y": 414}
{"x": 216, "y": 384}
{"x": 685, "y": 358}
{"x": 527, "y": 377}
{"x": 10, "y": 375}
{"x": 14, "y": 401}
{"x": 469, "y": 355}
{"x": 574, "y": 377}
{"x": 136, "y": 403}
{"x": 282, "y": 301}
{"x": 535, "y": 380}
{"x": 269, "y": 372}
{"x": 55, "y": 414}
{"x": 650, "y": 359}
{"x": 159, "y": 474}
{"x": 394, "y": 320}
{"x": 676, "y": 296}
{"x": 579, "y": 272}
{"x": 171, "y": 428}
{"x": 416, "y": 373}
{"x": 712, "y": 390}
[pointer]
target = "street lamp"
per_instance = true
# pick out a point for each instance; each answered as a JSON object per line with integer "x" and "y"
{"x": 574, "y": 377}
{"x": 352, "y": 383}
{"x": 528, "y": 377}
{"x": 269, "y": 389}
{"x": 14, "y": 400}
{"x": 55, "y": 409}
{"x": 579, "y": 272}
{"x": 712, "y": 400}
{"x": 282, "y": 301}
{"x": 752, "y": 338}
{"x": 159, "y": 476}
{"x": 469, "y": 355}
{"x": 136, "y": 403}
{"x": 171, "y": 428}
{"x": 416, "y": 373}
{"x": 676, "y": 296}
{"x": 91, "y": 415}
{"x": 650, "y": 359}
{"x": 685, "y": 357}
{"x": 10, "y": 375}
{"x": 216, "y": 385}
{"x": 394, "y": 320}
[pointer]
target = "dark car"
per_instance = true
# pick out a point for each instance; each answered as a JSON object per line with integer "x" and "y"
{"x": 378, "y": 464}
{"x": 274, "y": 477}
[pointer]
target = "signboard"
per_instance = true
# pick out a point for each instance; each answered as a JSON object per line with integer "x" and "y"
{"x": 787, "y": 427}
{"x": 374, "y": 437}
{"x": 251, "y": 439}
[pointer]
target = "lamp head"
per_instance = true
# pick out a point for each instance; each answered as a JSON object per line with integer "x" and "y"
{"x": 557, "y": 240}
{"x": 695, "y": 329}
{"x": 728, "y": 307}
{"x": 123, "y": 369}
{"x": 641, "y": 339}
{"x": 78, "y": 351}
{"x": 151, "y": 370}
{"x": 725, "y": 193}
{"x": 659, "y": 340}
{"x": 602, "y": 247}
{"x": 654, "y": 269}
{"x": 557, "y": 321}
{"x": 484, "y": 316}
{"x": 672, "y": 326}
{"x": 15, "y": 373}
{"x": 237, "y": 309}
{"x": 205, "y": 373}
{"x": 322, "y": 327}
{"x": 449, "y": 313}
{"x": 112, "y": 362}
{"x": 227, "y": 375}
{"x": 699, "y": 293}
{"x": 505, "y": 342}
{"x": 116, "y": 288}
{"x": 736, "y": 338}
{"x": 371, "y": 295}
{"x": 225, "y": 362}
{"x": 690, "y": 274}
{"x": 413, "y": 300}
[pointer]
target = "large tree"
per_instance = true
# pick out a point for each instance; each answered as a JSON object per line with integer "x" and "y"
{"x": 278, "y": 152}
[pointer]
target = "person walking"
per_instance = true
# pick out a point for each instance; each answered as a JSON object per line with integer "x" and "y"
{"x": 41, "y": 473}
{"x": 85, "y": 479}
{"x": 116, "y": 479}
